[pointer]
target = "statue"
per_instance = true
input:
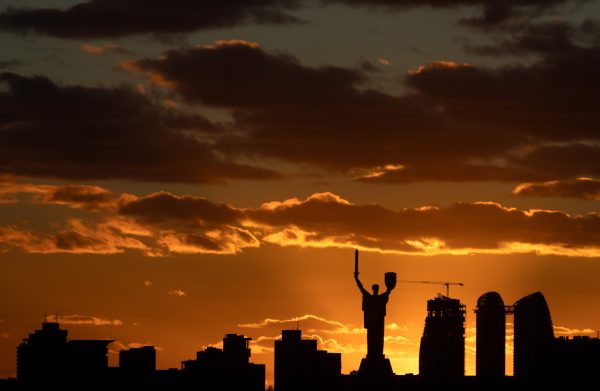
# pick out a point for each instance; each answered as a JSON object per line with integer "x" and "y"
{"x": 373, "y": 306}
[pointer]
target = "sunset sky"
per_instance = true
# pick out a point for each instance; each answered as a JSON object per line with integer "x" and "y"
{"x": 171, "y": 171}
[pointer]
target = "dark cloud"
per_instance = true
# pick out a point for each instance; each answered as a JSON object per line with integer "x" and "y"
{"x": 321, "y": 220}
{"x": 325, "y": 218}
{"x": 459, "y": 122}
{"x": 80, "y": 196}
{"x": 255, "y": 78}
{"x": 555, "y": 37}
{"x": 327, "y": 116}
{"x": 106, "y": 49}
{"x": 582, "y": 188}
{"x": 115, "y": 18}
{"x": 494, "y": 12}
{"x": 564, "y": 160}
{"x": 163, "y": 206}
{"x": 498, "y": 13}
{"x": 79, "y": 132}
{"x": 112, "y": 18}
{"x": 10, "y": 64}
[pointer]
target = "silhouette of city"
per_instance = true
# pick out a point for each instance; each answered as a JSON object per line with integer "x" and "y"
{"x": 48, "y": 359}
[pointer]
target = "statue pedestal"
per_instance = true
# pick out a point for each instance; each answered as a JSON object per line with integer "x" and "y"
{"x": 375, "y": 368}
{"x": 375, "y": 373}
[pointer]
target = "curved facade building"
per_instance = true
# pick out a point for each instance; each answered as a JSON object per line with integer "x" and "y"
{"x": 491, "y": 336}
{"x": 534, "y": 337}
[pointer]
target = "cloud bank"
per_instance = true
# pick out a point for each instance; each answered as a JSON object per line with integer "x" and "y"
{"x": 162, "y": 223}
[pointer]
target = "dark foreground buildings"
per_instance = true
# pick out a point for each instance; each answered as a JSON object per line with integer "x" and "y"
{"x": 299, "y": 365}
{"x": 47, "y": 359}
{"x": 490, "y": 336}
{"x": 227, "y": 369}
{"x": 534, "y": 338}
{"x": 442, "y": 351}
{"x": 539, "y": 359}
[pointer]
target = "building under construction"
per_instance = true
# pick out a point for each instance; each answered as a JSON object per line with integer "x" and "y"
{"x": 442, "y": 352}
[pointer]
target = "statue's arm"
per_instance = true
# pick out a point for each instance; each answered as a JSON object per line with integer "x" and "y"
{"x": 360, "y": 285}
{"x": 387, "y": 291}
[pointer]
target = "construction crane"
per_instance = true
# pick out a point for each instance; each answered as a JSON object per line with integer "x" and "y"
{"x": 444, "y": 283}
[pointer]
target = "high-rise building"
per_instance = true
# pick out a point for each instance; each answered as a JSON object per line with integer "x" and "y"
{"x": 37, "y": 354}
{"x": 299, "y": 365}
{"x": 46, "y": 357}
{"x": 534, "y": 337}
{"x": 442, "y": 351}
{"x": 491, "y": 336}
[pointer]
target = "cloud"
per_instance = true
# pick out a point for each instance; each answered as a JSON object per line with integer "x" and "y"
{"x": 396, "y": 327}
{"x": 106, "y": 18}
{"x": 555, "y": 37}
{"x": 309, "y": 322}
{"x": 12, "y": 237}
{"x": 105, "y": 49}
{"x": 463, "y": 228}
{"x": 332, "y": 335}
{"x": 75, "y": 196}
{"x": 265, "y": 79}
{"x": 84, "y": 320}
{"x": 177, "y": 292}
{"x": 493, "y": 13}
{"x": 127, "y": 135}
{"x": 77, "y": 237}
{"x": 513, "y": 123}
{"x": 117, "y": 346}
{"x": 164, "y": 207}
{"x": 227, "y": 240}
{"x": 148, "y": 283}
{"x": 582, "y": 188}
{"x": 501, "y": 125}
{"x": 162, "y": 223}
{"x": 7, "y": 64}
{"x": 566, "y": 331}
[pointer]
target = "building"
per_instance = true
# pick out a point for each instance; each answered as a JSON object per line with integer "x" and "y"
{"x": 534, "y": 337}
{"x": 228, "y": 368}
{"x": 491, "y": 336}
{"x": 46, "y": 357}
{"x": 140, "y": 360}
{"x": 577, "y": 359}
{"x": 299, "y": 365}
{"x": 442, "y": 351}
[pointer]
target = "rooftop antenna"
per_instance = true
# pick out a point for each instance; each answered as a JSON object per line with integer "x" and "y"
{"x": 45, "y": 317}
{"x": 297, "y": 325}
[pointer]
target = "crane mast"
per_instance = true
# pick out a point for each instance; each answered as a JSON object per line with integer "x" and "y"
{"x": 444, "y": 283}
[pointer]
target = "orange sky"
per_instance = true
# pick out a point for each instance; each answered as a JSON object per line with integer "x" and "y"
{"x": 169, "y": 179}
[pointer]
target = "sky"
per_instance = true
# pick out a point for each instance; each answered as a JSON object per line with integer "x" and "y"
{"x": 172, "y": 171}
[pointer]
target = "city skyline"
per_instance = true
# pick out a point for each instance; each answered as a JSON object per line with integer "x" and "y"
{"x": 170, "y": 171}
{"x": 48, "y": 357}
